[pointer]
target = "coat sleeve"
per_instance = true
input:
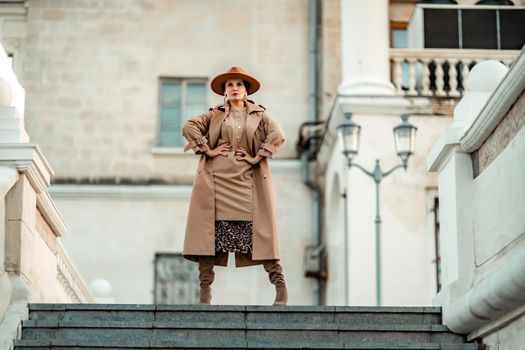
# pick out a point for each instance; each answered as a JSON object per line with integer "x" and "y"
{"x": 274, "y": 137}
{"x": 195, "y": 131}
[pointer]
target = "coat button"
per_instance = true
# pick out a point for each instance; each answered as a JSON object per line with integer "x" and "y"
{"x": 198, "y": 171}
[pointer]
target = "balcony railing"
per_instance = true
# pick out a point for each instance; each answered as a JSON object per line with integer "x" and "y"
{"x": 439, "y": 72}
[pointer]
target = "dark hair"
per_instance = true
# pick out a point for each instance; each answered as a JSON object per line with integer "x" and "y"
{"x": 247, "y": 85}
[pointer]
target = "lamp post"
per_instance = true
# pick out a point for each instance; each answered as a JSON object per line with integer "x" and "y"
{"x": 404, "y": 136}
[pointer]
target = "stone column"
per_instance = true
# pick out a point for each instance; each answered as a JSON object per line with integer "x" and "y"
{"x": 365, "y": 48}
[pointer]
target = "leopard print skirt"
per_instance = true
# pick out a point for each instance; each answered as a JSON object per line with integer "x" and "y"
{"x": 234, "y": 236}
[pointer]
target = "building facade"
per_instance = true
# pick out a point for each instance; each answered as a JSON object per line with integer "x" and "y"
{"x": 108, "y": 85}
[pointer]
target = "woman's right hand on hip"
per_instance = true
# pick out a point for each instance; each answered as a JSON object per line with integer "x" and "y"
{"x": 222, "y": 150}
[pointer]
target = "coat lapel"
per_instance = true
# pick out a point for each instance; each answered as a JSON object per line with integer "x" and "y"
{"x": 252, "y": 120}
{"x": 215, "y": 125}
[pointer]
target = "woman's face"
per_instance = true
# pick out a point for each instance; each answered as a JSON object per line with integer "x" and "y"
{"x": 235, "y": 89}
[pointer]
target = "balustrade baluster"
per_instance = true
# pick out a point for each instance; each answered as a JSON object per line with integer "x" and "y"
{"x": 453, "y": 77}
{"x": 440, "y": 83}
{"x": 398, "y": 79}
{"x": 412, "y": 77}
{"x": 425, "y": 80}
{"x": 464, "y": 73}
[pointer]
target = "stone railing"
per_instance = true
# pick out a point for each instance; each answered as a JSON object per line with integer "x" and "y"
{"x": 69, "y": 279}
{"x": 479, "y": 161}
{"x": 35, "y": 266}
{"x": 439, "y": 72}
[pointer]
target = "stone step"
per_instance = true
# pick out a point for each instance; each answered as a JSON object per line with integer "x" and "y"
{"x": 261, "y": 333}
{"x": 176, "y": 324}
{"x": 63, "y": 345}
{"x": 148, "y": 314}
{"x": 129, "y": 326}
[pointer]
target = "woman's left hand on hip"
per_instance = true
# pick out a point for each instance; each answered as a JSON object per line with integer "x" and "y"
{"x": 242, "y": 154}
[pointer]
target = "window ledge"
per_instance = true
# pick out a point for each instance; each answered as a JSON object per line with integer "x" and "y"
{"x": 171, "y": 150}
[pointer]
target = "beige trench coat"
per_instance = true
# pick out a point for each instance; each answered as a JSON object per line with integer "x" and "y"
{"x": 264, "y": 136}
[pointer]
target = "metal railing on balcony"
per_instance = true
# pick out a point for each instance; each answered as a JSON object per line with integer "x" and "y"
{"x": 439, "y": 72}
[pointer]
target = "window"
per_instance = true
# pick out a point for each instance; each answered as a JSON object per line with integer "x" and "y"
{"x": 490, "y": 27}
{"x": 180, "y": 99}
{"x": 399, "y": 40}
{"x": 176, "y": 280}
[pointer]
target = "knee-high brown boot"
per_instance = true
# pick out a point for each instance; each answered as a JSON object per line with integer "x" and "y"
{"x": 206, "y": 276}
{"x": 276, "y": 277}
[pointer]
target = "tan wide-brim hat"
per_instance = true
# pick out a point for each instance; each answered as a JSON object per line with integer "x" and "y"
{"x": 217, "y": 84}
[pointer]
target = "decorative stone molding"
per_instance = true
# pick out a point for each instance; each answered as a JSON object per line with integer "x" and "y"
{"x": 28, "y": 159}
{"x": 496, "y": 107}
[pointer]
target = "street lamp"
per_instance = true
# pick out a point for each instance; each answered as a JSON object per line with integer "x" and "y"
{"x": 404, "y": 137}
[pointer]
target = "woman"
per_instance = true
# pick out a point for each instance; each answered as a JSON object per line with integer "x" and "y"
{"x": 232, "y": 206}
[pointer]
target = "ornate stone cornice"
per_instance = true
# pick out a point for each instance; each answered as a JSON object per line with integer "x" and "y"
{"x": 496, "y": 107}
{"x": 28, "y": 159}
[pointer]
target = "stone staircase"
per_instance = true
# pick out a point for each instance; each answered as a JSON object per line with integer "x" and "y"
{"x": 129, "y": 326}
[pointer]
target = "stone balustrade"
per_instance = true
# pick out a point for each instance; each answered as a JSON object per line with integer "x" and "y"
{"x": 439, "y": 72}
{"x": 69, "y": 279}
